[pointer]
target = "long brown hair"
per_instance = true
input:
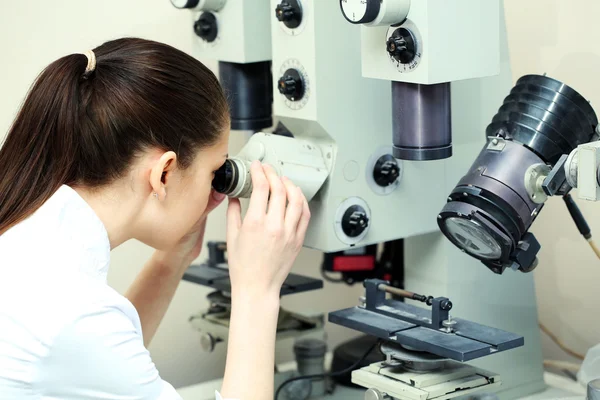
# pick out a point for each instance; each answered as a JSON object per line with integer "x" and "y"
{"x": 85, "y": 129}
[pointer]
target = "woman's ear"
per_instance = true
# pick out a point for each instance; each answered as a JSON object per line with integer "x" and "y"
{"x": 160, "y": 174}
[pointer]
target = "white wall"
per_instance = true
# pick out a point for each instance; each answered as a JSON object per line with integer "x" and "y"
{"x": 35, "y": 33}
{"x": 560, "y": 38}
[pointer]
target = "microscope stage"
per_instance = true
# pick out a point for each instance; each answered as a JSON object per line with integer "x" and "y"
{"x": 390, "y": 322}
{"x": 218, "y": 278}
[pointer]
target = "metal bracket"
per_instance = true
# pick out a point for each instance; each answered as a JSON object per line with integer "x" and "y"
{"x": 375, "y": 301}
{"x": 556, "y": 181}
{"x": 496, "y": 143}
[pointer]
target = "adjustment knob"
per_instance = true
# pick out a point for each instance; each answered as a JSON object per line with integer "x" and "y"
{"x": 374, "y": 394}
{"x": 360, "y": 11}
{"x": 290, "y": 13}
{"x": 593, "y": 390}
{"x": 402, "y": 46}
{"x": 208, "y": 342}
{"x": 206, "y": 27}
{"x": 386, "y": 171}
{"x": 355, "y": 221}
{"x": 290, "y": 85}
{"x": 206, "y": 5}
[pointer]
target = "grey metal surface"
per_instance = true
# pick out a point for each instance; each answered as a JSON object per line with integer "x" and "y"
{"x": 501, "y": 340}
{"x": 369, "y": 322}
{"x": 393, "y": 321}
{"x": 422, "y": 121}
{"x": 444, "y": 344}
{"x": 218, "y": 278}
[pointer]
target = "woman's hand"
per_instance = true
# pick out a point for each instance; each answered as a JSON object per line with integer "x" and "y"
{"x": 190, "y": 246}
{"x": 262, "y": 248}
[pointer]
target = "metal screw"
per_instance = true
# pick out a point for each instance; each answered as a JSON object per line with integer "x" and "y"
{"x": 495, "y": 142}
{"x": 362, "y": 301}
{"x": 449, "y": 325}
{"x": 439, "y": 216}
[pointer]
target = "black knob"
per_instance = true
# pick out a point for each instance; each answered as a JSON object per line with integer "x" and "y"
{"x": 355, "y": 221}
{"x": 446, "y": 305}
{"x": 402, "y": 46}
{"x": 386, "y": 170}
{"x": 290, "y": 85}
{"x": 216, "y": 253}
{"x": 206, "y": 27}
{"x": 290, "y": 13}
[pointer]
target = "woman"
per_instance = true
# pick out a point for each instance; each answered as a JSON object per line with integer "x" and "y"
{"x": 115, "y": 144}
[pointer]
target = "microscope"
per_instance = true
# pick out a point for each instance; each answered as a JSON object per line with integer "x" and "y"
{"x": 382, "y": 105}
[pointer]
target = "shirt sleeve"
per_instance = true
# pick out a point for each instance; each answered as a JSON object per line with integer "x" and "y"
{"x": 101, "y": 355}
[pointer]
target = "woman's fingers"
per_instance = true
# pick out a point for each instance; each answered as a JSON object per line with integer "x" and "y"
{"x": 294, "y": 207}
{"x": 278, "y": 196}
{"x": 303, "y": 223}
{"x": 234, "y": 219}
{"x": 260, "y": 191}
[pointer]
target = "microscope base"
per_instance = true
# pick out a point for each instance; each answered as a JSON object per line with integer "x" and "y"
{"x": 454, "y": 381}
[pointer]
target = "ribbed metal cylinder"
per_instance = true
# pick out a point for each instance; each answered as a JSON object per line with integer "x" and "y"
{"x": 546, "y": 116}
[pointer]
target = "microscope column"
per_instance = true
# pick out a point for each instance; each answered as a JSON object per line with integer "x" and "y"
{"x": 310, "y": 357}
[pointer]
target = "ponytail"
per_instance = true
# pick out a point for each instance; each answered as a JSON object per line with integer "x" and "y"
{"x": 86, "y": 118}
{"x": 40, "y": 150}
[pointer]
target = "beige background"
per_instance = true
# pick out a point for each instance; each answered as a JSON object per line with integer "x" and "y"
{"x": 560, "y": 38}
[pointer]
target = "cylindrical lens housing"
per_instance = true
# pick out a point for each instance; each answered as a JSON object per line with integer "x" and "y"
{"x": 249, "y": 90}
{"x": 490, "y": 211}
{"x": 422, "y": 121}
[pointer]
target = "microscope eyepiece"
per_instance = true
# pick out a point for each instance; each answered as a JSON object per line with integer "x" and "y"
{"x": 225, "y": 178}
{"x": 233, "y": 178}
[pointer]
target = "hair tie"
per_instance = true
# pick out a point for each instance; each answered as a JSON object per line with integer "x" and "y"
{"x": 91, "y": 65}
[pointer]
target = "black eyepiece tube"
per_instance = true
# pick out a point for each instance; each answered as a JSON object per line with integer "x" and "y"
{"x": 249, "y": 90}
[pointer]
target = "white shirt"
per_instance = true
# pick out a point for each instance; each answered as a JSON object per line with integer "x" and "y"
{"x": 64, "y": 333}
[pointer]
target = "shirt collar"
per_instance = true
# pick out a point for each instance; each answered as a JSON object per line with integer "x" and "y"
{"x": 81, "y": 231}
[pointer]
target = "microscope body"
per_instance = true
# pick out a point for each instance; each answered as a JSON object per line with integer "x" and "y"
{"x": 332, "y": 91}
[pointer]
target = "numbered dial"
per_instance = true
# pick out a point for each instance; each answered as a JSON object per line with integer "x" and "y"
{"x": 289, "y": 12}
{"x": 206, "y": 5}
{"x": 293, "y": 84}
{"x": 360, "y": 11}
{"x": 206, "y": 27}
{"x": 403, "y": 46}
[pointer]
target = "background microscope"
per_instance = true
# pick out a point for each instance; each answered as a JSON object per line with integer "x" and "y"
{"x": 384, "y": 106}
